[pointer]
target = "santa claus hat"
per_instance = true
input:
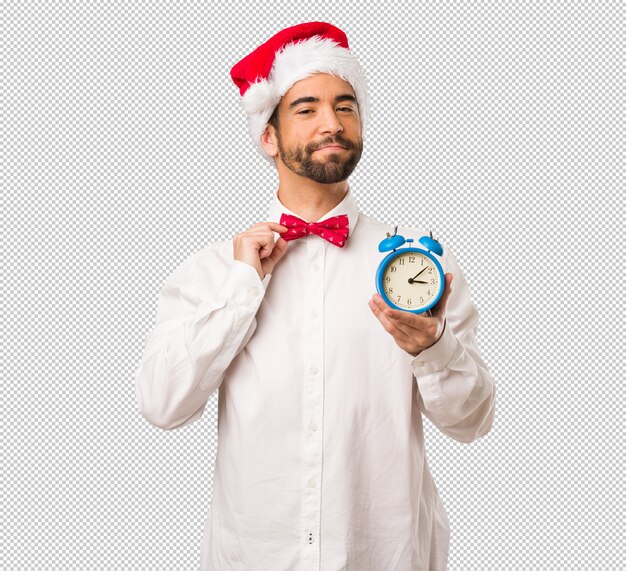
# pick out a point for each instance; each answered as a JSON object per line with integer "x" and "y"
{"x": 295, "y": 53}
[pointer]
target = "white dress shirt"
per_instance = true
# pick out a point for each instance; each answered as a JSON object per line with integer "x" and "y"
{"x": 321, "y": 462}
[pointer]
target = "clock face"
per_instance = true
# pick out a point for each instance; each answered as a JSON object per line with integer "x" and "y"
{"x": 411, "y": 280}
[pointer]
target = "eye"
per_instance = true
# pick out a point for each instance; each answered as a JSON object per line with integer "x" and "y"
{"x": 349, "y": 109}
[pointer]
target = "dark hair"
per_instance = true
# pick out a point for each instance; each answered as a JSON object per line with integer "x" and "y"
{"x": 273, "y": 120}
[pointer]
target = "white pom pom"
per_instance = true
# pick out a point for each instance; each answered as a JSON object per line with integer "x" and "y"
{"x": 259, "y": 98}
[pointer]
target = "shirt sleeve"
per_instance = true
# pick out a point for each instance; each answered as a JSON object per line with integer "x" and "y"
{"x": 456, "y": 390}
{"x": 206, "y": 315}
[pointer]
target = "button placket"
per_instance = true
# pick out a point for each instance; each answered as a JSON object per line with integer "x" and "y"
{"x": 312, "y": 405}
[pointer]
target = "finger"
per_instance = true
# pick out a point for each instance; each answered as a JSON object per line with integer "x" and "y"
{"x": 275, "y": 227}
{"x": 388, "y": 324}
{"x": 280, "y": 247}
{"x": 260, "y": 237}
{"x": 406, "y": 321}
{"x": 265, "y": 243}
{"x": 408, "y": 329}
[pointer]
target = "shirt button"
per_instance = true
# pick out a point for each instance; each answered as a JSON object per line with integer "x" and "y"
{"x": 254, "y": 291}
{"x": 313, "y": 427}
{"x": 315, "y": 267}
{"x": 419, "y": 363}
{"x": 314, "y": 313}
{"x": 312, "y": 483}
{"x": 314, "y": 370}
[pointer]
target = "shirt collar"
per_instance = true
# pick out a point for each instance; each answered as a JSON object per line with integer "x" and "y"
{"x": 347, "y": 206}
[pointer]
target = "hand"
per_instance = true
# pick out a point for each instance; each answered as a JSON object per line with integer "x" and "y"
{"x": 256, "y": 246}
{"x": 413, "y": 332}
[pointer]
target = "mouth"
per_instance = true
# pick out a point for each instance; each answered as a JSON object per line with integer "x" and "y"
{"x": 331, "y": 148}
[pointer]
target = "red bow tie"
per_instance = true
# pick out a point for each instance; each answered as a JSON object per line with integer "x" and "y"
{"x": 334, "y": 229}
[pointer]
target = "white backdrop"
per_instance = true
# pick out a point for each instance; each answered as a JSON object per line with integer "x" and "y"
{"x": 125, "y": 150}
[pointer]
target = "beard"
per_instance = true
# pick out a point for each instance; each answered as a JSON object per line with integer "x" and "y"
{"x": 330, "y": 168}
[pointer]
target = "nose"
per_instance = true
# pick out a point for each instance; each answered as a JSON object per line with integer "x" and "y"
{"x": 329, "y": 121}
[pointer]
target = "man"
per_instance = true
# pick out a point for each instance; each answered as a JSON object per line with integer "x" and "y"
{"x": 321, "y": 461}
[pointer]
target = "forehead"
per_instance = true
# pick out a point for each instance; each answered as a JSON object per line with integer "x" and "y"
{"x": 322, "y": 86}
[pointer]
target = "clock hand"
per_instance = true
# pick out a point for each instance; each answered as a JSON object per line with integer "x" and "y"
{"x": 414, "y": 281}
{"x": 418, "y": 273}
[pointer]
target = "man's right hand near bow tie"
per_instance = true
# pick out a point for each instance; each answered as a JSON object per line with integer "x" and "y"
{"x": 257, "y": 248}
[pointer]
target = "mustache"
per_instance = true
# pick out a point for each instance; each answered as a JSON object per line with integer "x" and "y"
{"x": 339, "y": 141}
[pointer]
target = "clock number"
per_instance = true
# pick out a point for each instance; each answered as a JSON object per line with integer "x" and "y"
{"x": 387, "y": 279}
{"x": 401, "y": 261}
{"x": 393, "y": 269}
{"x": 408, "y": 301}
{"x": 390, "y": 290}
{"x": 411, "y": 259}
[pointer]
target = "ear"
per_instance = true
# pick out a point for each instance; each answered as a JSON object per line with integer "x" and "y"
{"x": 269, "y": 141}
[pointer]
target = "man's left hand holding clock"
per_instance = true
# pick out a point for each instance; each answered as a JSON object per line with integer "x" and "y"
{"x": 413, "y": 332}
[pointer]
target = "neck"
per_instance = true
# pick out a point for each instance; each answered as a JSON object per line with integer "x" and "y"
{"x": 308, "y": 199}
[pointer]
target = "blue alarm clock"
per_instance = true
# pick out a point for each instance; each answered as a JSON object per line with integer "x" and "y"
{"x": 410, "y": 279}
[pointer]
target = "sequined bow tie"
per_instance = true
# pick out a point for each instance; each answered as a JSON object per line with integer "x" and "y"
{"x": 334, "y": 229}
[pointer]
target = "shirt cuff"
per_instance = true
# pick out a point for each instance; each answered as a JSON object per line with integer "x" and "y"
{"x": 437, "y": 356}
{"x": 243, "y": 286}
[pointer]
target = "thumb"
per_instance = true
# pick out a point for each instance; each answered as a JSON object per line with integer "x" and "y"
{"x": 280, "y": 247}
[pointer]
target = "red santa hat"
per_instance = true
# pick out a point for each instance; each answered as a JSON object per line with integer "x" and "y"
{"x": 295, "y": 53}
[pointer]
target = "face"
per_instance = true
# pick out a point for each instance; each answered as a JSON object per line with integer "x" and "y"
{"x": 316, "y": 112}
{"x": 411, "y": 280}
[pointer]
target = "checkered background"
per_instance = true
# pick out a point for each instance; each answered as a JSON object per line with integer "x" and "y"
{"x": 125, "y": 149}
